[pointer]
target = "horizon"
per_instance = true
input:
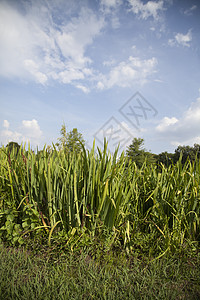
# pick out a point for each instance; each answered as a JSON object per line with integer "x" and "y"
{"x": 110, "y": 68}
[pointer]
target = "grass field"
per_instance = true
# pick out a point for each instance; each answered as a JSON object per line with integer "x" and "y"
{"x": 95, "y": 226}
{"x": 79, "y": 276}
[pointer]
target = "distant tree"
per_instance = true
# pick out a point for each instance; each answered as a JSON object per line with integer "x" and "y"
{"x": 150, "y": 158}
{"x": 62, "y": 141}
{"x": 74, "y": 140}
{"x": 165, "y": 158}
{"x": 187, "y": 153}
{"x": 13, "y": 145}
{"x": 197, "y": 150}
{"x": 70, "y": 141}
{"x": 46, "y": 151}
{"x": 137, "y": 153}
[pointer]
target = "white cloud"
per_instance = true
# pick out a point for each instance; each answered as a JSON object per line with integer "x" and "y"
{"x": 6, "y": 124}
{"x": 127, "y": 73}
{"x": 33, "y": 69}
{"x": 36, "y": 47}
{"x": 100, "y": 85}
{"x": 9, "y": 135}
{"x": 166, "y": 123}
{"x": 83, "y": 88}
{"x": 108, "y": 5}
{"x": 149, "y": 9}
{"x": 158, "y": 80}
{"x": 184, "y": 39}
{"x": 171, "y": 42}
{"x": 108, "y": 63}
{"x": 185, "y": 130}
{"x": 15, "y": 42}
{"x": 69, "y": 75}
{"x": 29, "y": 131}
{"x": 189, "y": 11}
{"x": 77, "y": 35}
{"x": 181, "y": 39}
{"x": 110, "y": 9}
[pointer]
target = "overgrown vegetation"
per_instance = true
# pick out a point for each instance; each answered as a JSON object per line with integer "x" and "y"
{"x": 64, "y": 193}
{"x": 105, "y": 209}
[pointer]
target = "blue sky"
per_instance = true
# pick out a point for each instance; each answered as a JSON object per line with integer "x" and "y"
{"x": 111, "y": 68}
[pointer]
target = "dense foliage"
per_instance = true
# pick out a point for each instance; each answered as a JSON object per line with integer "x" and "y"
{"x": 137, "y": 153}
{"x": 77, "y": 196}
{"x": 70, "y": 141}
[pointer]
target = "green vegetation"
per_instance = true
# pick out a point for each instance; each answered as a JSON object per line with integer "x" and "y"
{"x": 79, "y": 276}
{"x": 102, "y": 226}
{"x": 184, "y": 152}
{"x": 138, "y": 154}
{"x": 70, "y": 141}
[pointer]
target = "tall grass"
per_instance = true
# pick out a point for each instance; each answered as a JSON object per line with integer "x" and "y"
{"x": 66, "y": 192}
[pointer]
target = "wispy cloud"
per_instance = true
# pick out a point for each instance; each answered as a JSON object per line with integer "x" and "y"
{"x": 83, "y": 88}
{"x": 189, "y": 11}
{"x": 42, "y": 48}
{"x": 108, "y": 63}
{"x": 149, "y": 9}
{"x": 181, "y": 39}
{"x": 108, "y": 5}
{"x": 39, "y": 48}
{"x": 110, "y": 8}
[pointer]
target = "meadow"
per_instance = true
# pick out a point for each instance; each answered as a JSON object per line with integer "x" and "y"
{"x": 121, "y": 231}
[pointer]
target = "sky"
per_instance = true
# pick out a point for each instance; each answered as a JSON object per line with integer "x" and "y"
{"x": 114, "y": 69}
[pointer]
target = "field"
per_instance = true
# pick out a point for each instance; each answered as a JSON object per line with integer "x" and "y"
{"x": 99, "y": 226}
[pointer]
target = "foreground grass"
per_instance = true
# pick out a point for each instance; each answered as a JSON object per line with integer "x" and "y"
{"x": 32, "y": 275}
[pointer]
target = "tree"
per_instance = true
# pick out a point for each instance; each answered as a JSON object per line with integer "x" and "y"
{"x": 63, "y": 139}
{"x": 138, "y": 154}
{"x": 13, "y": 145}
{"x": 70, "y": 141}
{"x": 165, "y": 158}
{"x": 187, "y": 153}
{"x": 197, "y": 150}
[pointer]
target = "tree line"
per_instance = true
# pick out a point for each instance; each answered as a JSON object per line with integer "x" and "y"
{"x": 73, "y": 141}
{"x": 136, "y": 152}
